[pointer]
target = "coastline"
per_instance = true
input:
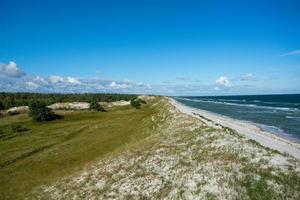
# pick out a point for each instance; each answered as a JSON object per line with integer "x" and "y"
{"x": 246, "y": 129}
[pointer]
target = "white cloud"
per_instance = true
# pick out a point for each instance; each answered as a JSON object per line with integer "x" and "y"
{"x": 223, "y": 82}
{"x": 247, "y": 77}
{"x": 296, "y": 52}
{"x": 56, "y": 79}
{"x": 148, "y": 86}
{"x": 64, "y": 80}
{"x": 114, "y": 85}
{"x": 72, "y": 80}
{"x": 216, "y": 88}
{"x": 31, "y": 85}
{"x": 11, "y": 70}
{"x": 64, "y": 84}
{"x": 40, "y": 80}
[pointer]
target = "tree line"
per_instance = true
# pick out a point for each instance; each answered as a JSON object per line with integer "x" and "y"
{"x": 8, "y": 100}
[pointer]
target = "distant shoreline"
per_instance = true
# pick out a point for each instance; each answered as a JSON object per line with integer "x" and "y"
{"x": 247, "y": 129}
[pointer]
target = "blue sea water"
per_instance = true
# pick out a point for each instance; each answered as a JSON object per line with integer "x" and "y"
{"x": 278, "y": 114}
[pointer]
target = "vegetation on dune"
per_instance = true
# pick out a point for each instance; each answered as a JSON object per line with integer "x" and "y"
{"x": 8, "y": 100}
{"x": 166, "y": 155}
{"x": 137, "y": 102}
{"x": 2, "y": 107}
{"x": 94, "y": 105}
{"x": 40, "y": 112}
{"x": 53, "y": 149}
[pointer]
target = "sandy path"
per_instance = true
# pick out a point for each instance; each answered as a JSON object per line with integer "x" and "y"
{"x": 246, "y": 129}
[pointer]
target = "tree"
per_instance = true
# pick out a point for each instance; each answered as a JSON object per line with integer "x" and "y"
{"x": 94, "y": 105}
{"x": 135, "y": 102}
{"x": 40, "y": 112}
{"x": 2, "y": 107}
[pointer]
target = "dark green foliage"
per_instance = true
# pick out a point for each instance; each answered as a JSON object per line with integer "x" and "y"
{"x": 16, "y": 128}
{"x": 25, "y": 99}
{"x": 2, "y": 107}
{"x": 135, "y": 102}
{"x": 94, "y": 105}
{"x": 142, "y": 101}
{"x": 40, "y": 112}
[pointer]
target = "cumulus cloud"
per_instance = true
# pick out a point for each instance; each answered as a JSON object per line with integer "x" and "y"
{"x": 247, "y": 77}
{"x": 114, "y": 85}
{"x": 31, "y": 85}
{"x": 223, "y": 82}
{"x": 40, "y": 80}
{"x": 73, "y": 81}
{"x": 296, "y": 52}
{"x": 11, "y": 70}
{"x": 56, "y": 79}
{"x": 64, "y": 80}
{"x": 68, "y": 84}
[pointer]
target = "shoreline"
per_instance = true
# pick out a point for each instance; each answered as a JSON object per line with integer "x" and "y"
{"x": 244, "y": 128}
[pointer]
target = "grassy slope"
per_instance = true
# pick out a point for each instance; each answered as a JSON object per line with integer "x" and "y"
{"x": 54, "y": 149}
{"x": 183, "y": 159}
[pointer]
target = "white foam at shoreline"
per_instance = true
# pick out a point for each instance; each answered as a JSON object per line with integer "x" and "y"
{"x": 242, "y": 105}
{"x": 249, "y": 130}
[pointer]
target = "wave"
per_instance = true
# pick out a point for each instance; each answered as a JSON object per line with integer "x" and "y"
{"x": 292, "y": 117}
{"x": 278, "y": 131}
{"x": 237, "y": 104}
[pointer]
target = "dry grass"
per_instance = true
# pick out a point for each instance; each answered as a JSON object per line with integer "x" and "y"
{"x": 183, "y": 158}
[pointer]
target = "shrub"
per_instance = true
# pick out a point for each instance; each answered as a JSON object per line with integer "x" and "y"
{"x": 142, "y": 101}
{"x": 2, "y": 107}
{"x": 135, "y": 102}
{"x": 94, "y": 105}
{"x": 16, "y": 128}
{"x": 40, "y": 112}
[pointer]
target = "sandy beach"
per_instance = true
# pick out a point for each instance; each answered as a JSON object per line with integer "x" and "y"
{"x": 246, "y": 129}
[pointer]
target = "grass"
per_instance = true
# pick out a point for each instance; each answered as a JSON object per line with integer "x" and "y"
{"x": 50, "y": 150}
{"x": 258, "y": 189}
{"x": 183, "y": 158}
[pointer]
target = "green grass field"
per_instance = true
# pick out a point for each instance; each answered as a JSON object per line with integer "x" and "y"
{"x": 54, "y": 149}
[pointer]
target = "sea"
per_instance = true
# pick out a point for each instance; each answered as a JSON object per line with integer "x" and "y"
{"x": 278, "y": 114}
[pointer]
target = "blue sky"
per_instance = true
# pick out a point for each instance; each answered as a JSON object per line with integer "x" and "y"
{"x": 156, "y": 47}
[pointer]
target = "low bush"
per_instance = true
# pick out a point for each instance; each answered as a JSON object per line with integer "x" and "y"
{"x": 135, "y": 102}
{"x": 2, "y": 107}
{"x": 142, "y": 101}
{"x": 40, "y": 112}
{"x": 94, "y": 105}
